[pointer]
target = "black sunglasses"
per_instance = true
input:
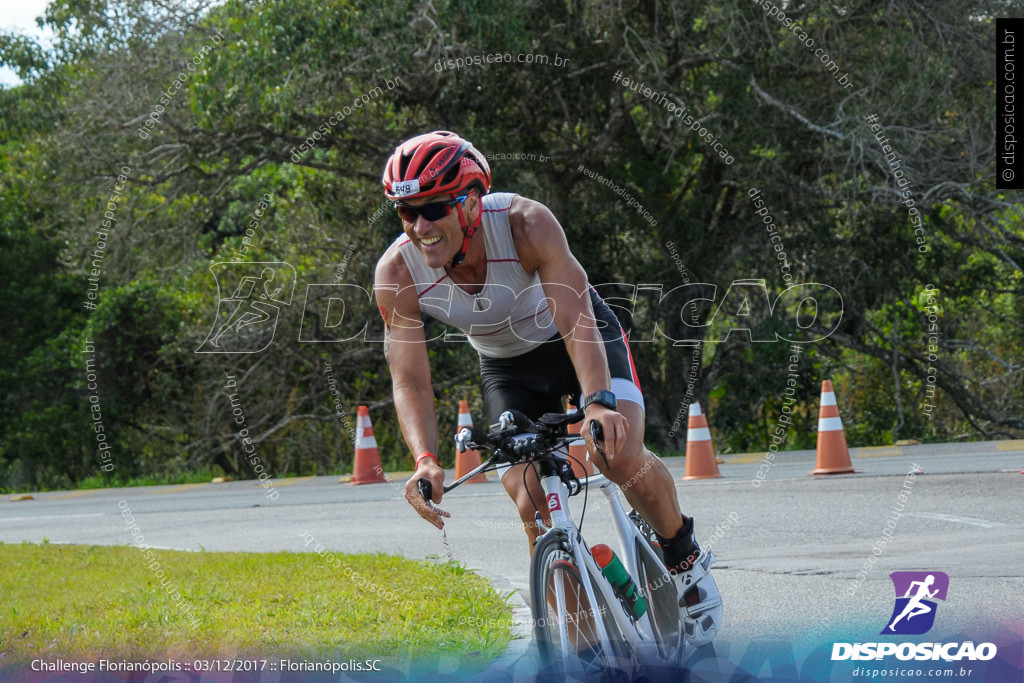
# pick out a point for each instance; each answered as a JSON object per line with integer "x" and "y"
{"x": 434, "y": 211}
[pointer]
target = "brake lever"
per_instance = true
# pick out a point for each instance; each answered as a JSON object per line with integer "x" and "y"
{"x": 426, "y": 489}
{"x": 597, "y": 434}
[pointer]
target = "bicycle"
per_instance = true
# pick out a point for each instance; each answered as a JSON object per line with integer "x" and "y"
{"x": 582, "y": 622}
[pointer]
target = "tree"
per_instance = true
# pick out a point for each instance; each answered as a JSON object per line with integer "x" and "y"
{"x": 215, "y": 109}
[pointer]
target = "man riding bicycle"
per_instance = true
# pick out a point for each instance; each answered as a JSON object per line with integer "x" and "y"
{"x": 541, "y": 331}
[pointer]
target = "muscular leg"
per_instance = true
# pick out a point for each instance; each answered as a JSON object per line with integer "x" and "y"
{"x": 652, "y": 493}
{"x": 643, "y": 477}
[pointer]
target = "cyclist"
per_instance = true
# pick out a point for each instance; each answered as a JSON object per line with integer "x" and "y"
{"x": 541, "y": 331}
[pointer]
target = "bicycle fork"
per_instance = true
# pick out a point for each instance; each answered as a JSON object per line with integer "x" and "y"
{"x": 556, "y": 496}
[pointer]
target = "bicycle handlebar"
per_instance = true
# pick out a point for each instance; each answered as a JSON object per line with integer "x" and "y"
{"x": 515, "y": 438}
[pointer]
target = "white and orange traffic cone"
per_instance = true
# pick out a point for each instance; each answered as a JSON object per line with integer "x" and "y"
{"x": 578, "y": 455}
{"x": 700, "y": 453}
{"x": 833, "y": 455}
{"x": 366, "y": 468}
{"x": 466, "y": 462}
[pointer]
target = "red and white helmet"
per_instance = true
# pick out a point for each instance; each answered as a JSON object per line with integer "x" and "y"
{"x": 435, "y": 163}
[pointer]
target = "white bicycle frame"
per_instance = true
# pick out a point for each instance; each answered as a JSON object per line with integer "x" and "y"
{"x": 640, "y": 633}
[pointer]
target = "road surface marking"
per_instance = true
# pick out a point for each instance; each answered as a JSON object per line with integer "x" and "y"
{"x": 973, "y": 521}
{"x": 76, "y": 494}
{"x": 35, "y": 517}
{"x": 743, "y": 458}
{"x": 877, "y": 451}
{"x": 182, "y": 487}
{"x": 279, "y": 483}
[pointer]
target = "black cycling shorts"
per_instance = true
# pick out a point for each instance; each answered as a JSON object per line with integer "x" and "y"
{"x": 535, "y": 382}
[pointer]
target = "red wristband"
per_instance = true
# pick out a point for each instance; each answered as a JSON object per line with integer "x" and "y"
{"x": 426, "y": 454}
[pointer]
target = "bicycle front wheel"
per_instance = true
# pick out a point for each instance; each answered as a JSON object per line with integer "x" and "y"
{"x": 565, "y": 622}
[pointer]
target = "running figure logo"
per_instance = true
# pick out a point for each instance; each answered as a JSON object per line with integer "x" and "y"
{"x": 914, "y": 612}
{"x": 247, "y": 318}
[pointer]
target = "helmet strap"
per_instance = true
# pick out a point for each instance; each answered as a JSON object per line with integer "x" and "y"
{"x": 467, "y": 231}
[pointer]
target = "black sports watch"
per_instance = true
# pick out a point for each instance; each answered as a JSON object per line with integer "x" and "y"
{"x": 602, "y": 398}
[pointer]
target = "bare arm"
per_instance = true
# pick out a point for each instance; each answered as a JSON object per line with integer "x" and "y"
{"x": 542, "y": 247}
{"x": 406, "y": 351}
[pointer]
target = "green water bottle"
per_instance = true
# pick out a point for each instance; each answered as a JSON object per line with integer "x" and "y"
{"x": 620, "y": 579}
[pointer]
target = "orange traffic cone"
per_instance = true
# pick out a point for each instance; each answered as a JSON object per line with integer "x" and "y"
{"x": 700, "y": 453}
{"x": 833, "y": 455}
{"x": 578, "y": 456}
{"x": 366, "y": 468}
{"x": 466, "y": 462}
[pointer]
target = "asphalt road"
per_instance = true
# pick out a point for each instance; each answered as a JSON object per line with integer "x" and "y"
{"x": 785, "y": 566}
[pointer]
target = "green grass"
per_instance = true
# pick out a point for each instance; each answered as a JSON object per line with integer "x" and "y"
{"x": 104, "y": 602}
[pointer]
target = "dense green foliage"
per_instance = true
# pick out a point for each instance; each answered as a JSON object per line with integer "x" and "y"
{"x": 214, "y": 173}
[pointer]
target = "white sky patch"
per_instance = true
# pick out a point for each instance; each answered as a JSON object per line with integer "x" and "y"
{"x": 19, "y": 16}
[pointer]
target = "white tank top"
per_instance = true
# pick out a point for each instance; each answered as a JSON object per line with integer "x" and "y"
{"x": 510, "y": 315}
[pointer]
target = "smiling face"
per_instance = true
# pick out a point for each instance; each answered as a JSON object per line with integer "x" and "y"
{"x": 439, "y": 241}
